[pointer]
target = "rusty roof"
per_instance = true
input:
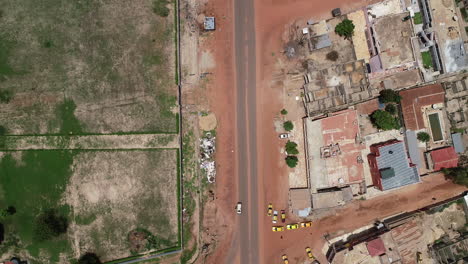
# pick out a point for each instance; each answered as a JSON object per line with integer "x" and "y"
{"x": 414, "y": 99}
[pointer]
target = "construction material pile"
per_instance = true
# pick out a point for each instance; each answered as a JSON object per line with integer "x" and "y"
{"x": 207, "y": 163}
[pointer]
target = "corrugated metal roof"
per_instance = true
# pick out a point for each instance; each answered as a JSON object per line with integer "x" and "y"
{"x": 412, "y": 144}
{"x": 394, "y": 156}
{"x": 209, "y": 23}
{"x": 458, "y": 143}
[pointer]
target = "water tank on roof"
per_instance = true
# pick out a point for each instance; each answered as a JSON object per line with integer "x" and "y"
{"x": 437, "y": 106}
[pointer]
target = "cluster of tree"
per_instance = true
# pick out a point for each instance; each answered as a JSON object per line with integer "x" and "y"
{"x": 458, "y": 175}
{"x": 49, "y": 224}
{"x": 291, "y": 150}
{"x": 345, "y": 28}
{"x": 387, "y": 119}
{"x": 284, "y": 111}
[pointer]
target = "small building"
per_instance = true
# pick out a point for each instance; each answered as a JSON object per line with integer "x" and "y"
{"x": 376, "y": 247}
{"x": 458, "y": 143}
{"x": 300, "y": 201}
{"x": 390, "y": 166}
{"x": 209, "y": 23}
{"x": 443, "y": 158}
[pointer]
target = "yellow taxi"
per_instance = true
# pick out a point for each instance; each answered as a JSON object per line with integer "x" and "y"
{"x": 285, "y": 259}
{"x": 277, "y": 228}
{"x": 306, "y": 224}
{"x": 283, "y": 216}
{"x": 292, "y": 226}
{"x": 309, "y": 253}
{"x": 270, "y": 209}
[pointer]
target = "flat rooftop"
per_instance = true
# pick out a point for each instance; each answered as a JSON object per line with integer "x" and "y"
{"x": 414, "y": 99}
{"x": 333, "y": 152}
{"x": 393, "y": 40}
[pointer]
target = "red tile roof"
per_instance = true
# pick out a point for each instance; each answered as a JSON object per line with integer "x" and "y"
{"x": 413, "y": 99}
{"x": 444, "y": 158}
{"x": 376, "y": 247}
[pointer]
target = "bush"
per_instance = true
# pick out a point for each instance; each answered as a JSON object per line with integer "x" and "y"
{"x": 5, "y": 96}
{"x": 3, "y": 130}
{"x": 288, "y": 126}
{"x": 291, "y": 148}
{"x": 384, "y": 120}
{"x": 458, "y": 175}
{"x": 332, "y": 55}
{"x": 284, "y": 112}
{"x": 345, "y": 28}
{"x": 391, "y": 108}
{"x": 389, "y": 96}
{"x": 423, "y": 137}
{"x": 160, "y": 8}
{"x": 89, "y": 258}
{"x": 49, "y": 224}
{"x": 291, "y": 161}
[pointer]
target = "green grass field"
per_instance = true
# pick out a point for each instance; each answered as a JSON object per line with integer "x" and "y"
{"x": 427, "y": 59}
{"x": 109, "y": 66}
{"x": 417, "y": 18}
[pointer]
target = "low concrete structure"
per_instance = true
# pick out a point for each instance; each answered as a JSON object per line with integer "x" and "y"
{"x": 300, "y": 201}
{"x": 209, "y": 23}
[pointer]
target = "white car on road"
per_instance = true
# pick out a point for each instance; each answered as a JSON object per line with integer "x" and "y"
{"x": 239, "y": 208}
{"x": 284, "y": 135}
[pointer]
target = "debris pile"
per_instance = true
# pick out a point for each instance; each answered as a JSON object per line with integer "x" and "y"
{"x": 207, "y": 163}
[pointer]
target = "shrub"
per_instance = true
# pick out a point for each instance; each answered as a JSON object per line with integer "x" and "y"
{"x": 160, "y": 8}
{"x": 345, "y": 28}
{"x": 89, "y": 258}
{"x": 3, "y": 130}
{"x": 288, "y": 126}
{"x": 423, "y": 137}
{"x": 49, "y": 224}
{"x": 5, "y": 96}
{"x": 291, "y": 148}
{"x": 291, "y": 161}
{"x": 384, "y": 120}
{"x": 284, "y": 112}
{"x": 389, "y": 96}
{"x": 332, "y": 55}
{"x": 391, "y": 108}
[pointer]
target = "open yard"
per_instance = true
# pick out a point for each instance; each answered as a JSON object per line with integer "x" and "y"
{"x": 87, "y": 67}
{"x": 112, "y": 201}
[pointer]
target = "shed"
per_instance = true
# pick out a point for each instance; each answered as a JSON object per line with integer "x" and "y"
{"x": 458, "y": 143}
{"x": 376, "y": 247}
{"x": 209, "y": 23}
{"x": 444, "y": 158}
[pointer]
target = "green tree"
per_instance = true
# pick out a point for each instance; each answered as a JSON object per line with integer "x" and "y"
{"x": 291, "y": 161}
{"x": 423, "y": 137}
{"x": 288, "y": 126}
{"x": 89, "y": 258}
{"x": 291, "y": 148}
{"x": 284, "y": 111}
{"x": 345, "y": 28}
{"x": 384, "y": 120}
{"x": 5, "y": 96}
{"x": 391, "y": 108}
{"x": 389, "y": 96}
{"x": 49, "y": 224}
{"x": 458, "y": 175}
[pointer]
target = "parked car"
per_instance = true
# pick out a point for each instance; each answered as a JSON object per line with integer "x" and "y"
{"x": 284, "y": 135}
{"x": 239, "y": 208}
{"x": 277, "y": 228}
{"x": 306, "y": 224}
{"x": 309, "y": 253}
{"x": 283, "y": 216}
{"x": 275, "y": 217}
{"x": 292, "y": 226}
{"x": 285, "y": 259}
{"x": 336, "y": 12}
{"x": 270, "y": 209}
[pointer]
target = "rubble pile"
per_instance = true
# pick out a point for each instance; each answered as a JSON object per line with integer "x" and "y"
{"x": 207, "y": 146}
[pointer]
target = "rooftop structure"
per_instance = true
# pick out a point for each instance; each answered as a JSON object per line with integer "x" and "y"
{"x": 376, "y": 247}
{"x": 458, "y": 143}
{"x": 414, "y": 100}
{"x": 209, "y": 23}
{"x": 390, "y": 166}
{"x": 333, "y": 150}
{"x": 456, "y": 93}
{"x": 392, "y": 36}
{"x": 361, "y": 47}
{"x": 443, "y": 158}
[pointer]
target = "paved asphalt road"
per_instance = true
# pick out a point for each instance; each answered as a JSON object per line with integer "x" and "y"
{"x": 244, "y": 35}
